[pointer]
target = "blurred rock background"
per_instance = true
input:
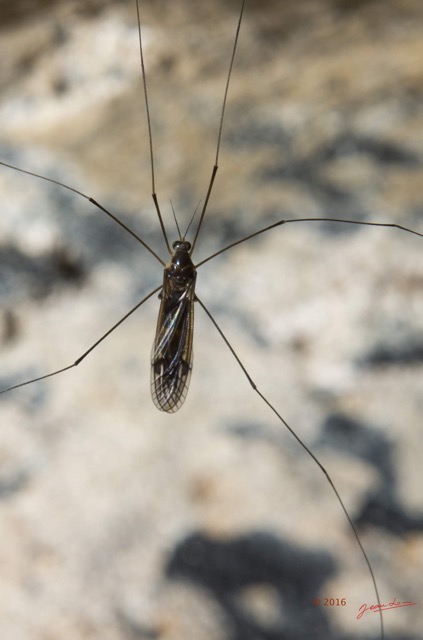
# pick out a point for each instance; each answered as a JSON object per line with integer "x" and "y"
{"x": 119, "y": 522}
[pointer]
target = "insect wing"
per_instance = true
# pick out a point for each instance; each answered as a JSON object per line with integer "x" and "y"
{"x": 172, "y": 356}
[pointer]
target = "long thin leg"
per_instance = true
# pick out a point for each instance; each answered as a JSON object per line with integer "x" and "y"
{"x": 84, "y": 355}
{"x": 281, "y": 222}
{"x": 310, "y": 453}
{"x": 94, "y": 202}
{"x": 150, "y": 135}
{"x": 222, "y": 116}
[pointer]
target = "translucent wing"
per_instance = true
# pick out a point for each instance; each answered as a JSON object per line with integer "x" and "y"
{"x": 171, "y": 360}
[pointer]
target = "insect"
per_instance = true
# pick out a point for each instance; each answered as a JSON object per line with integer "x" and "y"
{"x": 185, "y": 374}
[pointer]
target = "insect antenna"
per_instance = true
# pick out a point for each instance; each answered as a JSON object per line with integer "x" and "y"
{"x": 176, "y": 220}
{"x": 219, "y": 135}
{"x": 191, "y": 220}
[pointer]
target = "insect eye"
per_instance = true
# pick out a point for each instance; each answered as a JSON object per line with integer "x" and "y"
{"x": 176, "y": 244}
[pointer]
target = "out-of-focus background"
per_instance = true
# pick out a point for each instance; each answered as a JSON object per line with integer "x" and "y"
{"x": 120, "y": 522}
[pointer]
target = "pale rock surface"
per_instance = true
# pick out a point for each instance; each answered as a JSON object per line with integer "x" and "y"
{"x": 117, "y": 521}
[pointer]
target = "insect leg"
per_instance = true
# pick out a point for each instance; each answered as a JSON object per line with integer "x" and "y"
{"x": 84, "y": 355}
{"x": 282, "y": 222}
{"x": 94, "y": 202}
{"x": 219, "y": 136}
{"x": 310, "y": 453}
{"x": 150, "y": 134}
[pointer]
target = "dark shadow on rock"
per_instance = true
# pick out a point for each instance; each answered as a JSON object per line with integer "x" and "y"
{"x": 228, "y": 568}
{"x": 402, "y": 355}
{"x": 14, "y": 483}
{"x": 310, "y": 172}
{"x": 25, "y": 276}
{"x": 360, "y": 440}
{"x": 383, "y": 507}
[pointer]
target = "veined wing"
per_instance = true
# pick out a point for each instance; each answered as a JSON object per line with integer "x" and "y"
{"x": 172, "y": 355}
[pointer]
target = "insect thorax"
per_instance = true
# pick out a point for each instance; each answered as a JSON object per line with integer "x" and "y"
{"x": 180, "y": 272}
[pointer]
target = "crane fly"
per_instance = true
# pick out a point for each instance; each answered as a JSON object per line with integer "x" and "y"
{"x": 172, "y": 353}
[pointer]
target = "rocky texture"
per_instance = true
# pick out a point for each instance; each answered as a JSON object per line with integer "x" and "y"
{"x": 120, "y": 522}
